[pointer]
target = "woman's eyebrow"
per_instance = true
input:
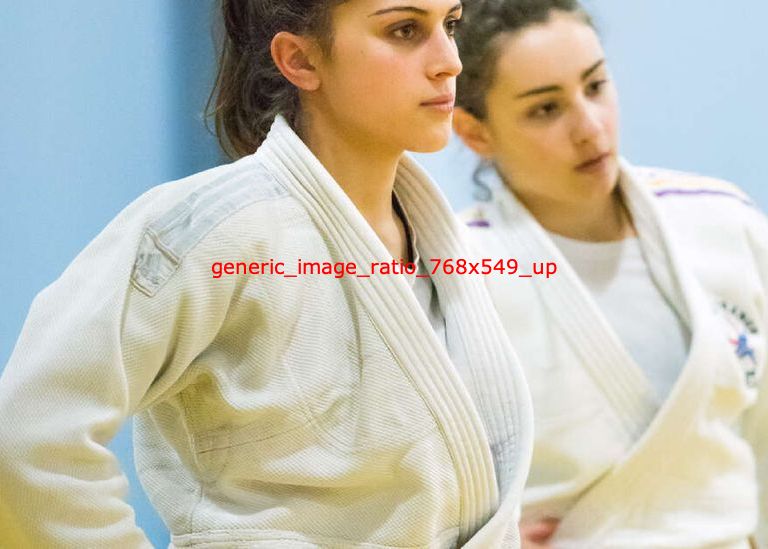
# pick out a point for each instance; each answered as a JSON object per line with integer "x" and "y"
{"x": 592, "y": 69}
{"x": 411, "y": 9}
{"x": 553, "y": 88}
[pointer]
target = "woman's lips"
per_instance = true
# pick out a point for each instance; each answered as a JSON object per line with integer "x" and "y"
{"x": 597, "y": 164}
{"x": 444, "y": 103}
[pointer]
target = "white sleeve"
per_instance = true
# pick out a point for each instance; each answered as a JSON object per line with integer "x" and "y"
{"x": 94, "y": 348}
{"x": 756, "y": 420}
{"x": 756, "y": 432}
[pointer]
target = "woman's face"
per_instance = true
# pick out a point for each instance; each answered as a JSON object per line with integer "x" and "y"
{"x": 552, "y": 113}
{"x": 391, "y": 77}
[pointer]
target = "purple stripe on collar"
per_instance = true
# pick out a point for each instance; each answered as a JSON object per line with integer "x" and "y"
{"x": 703, "y": 192}
{"x": 478, "y": 223}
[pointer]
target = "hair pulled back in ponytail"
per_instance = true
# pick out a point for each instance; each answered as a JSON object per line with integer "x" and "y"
{"x": 249, "y": 90}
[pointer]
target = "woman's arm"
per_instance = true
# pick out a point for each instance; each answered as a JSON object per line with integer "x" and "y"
{"x": 96, "y": 346}
{"x": 756, "y": 421}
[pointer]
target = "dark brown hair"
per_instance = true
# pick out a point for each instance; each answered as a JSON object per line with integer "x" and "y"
{"x": 249, "y": 90}
{"x": 485, "y": 26}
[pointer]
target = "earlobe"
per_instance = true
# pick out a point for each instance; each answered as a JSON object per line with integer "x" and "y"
{"x": 293, "y": 56}
{"x": 472, "y": 132}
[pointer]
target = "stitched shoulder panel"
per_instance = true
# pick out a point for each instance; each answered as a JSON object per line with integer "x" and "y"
{"x": 168, "y": 238}
{"x": 663, "y": 182}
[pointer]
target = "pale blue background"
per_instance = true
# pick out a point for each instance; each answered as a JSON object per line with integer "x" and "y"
{"x": 100, "y": 100}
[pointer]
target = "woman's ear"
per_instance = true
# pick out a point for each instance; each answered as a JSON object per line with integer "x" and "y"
{"x": 472, "y": 132}
{"x": 295, "y": 57}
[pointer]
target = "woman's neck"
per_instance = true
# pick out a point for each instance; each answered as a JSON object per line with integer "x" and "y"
{"x": 602, "y": 220}
{"x": 365, "y": 173}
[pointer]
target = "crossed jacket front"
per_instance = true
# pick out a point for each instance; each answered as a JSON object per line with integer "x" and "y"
{"x": 617, "y": 467}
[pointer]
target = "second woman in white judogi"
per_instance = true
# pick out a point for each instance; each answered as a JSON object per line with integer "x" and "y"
{"x": 645, "y": 352}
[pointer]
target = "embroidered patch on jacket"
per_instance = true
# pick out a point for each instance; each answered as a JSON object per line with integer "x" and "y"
{"x": 743, "y": 331}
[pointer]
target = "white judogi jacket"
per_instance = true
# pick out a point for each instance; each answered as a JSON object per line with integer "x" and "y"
{"x": 618, "y": 469}
{"x": 272, "y": 411}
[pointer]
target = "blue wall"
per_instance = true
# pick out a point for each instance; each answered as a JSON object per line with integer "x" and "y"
{"x": 102, "y": 99}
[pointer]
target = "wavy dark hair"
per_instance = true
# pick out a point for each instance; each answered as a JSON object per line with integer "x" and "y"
{"x": 480, "y": 38}
{"x": 249, "y": 90}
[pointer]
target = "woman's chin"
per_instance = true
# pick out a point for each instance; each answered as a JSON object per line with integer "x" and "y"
{"x": 429, "y": 139}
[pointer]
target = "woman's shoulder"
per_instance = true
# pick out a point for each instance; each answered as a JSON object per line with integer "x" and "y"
{"x": 664, "y": 182}
{"x": 226, "y": 208}
{"x": 194, "y": 202}
{"x": 217, "y": 211}
{"x": 699, "y": 200}
{"x": 713, "y": 209}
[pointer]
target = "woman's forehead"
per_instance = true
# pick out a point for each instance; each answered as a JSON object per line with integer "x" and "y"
{"x": 543, "y": 54}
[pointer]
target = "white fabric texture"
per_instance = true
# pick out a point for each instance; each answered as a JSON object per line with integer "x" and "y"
{"x": 619, "y": 470}
{"x": 618, "y": 278}
{"x": 426, "y": 295}
{"x": 425, "y": 292}
{"x": 270, "y": 411}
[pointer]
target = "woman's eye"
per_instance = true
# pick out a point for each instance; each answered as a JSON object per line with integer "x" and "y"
{"x": 451, "y": 25}
{"x": 547, "y": 110}
{"x": 406, "y": 32}
{"x": 596, "y": 87}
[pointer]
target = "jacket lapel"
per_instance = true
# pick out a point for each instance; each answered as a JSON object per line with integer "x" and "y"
{"x": 672, "y": 433}
{"x": 597, "y": 346}
{"x": 394, "y": 310}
